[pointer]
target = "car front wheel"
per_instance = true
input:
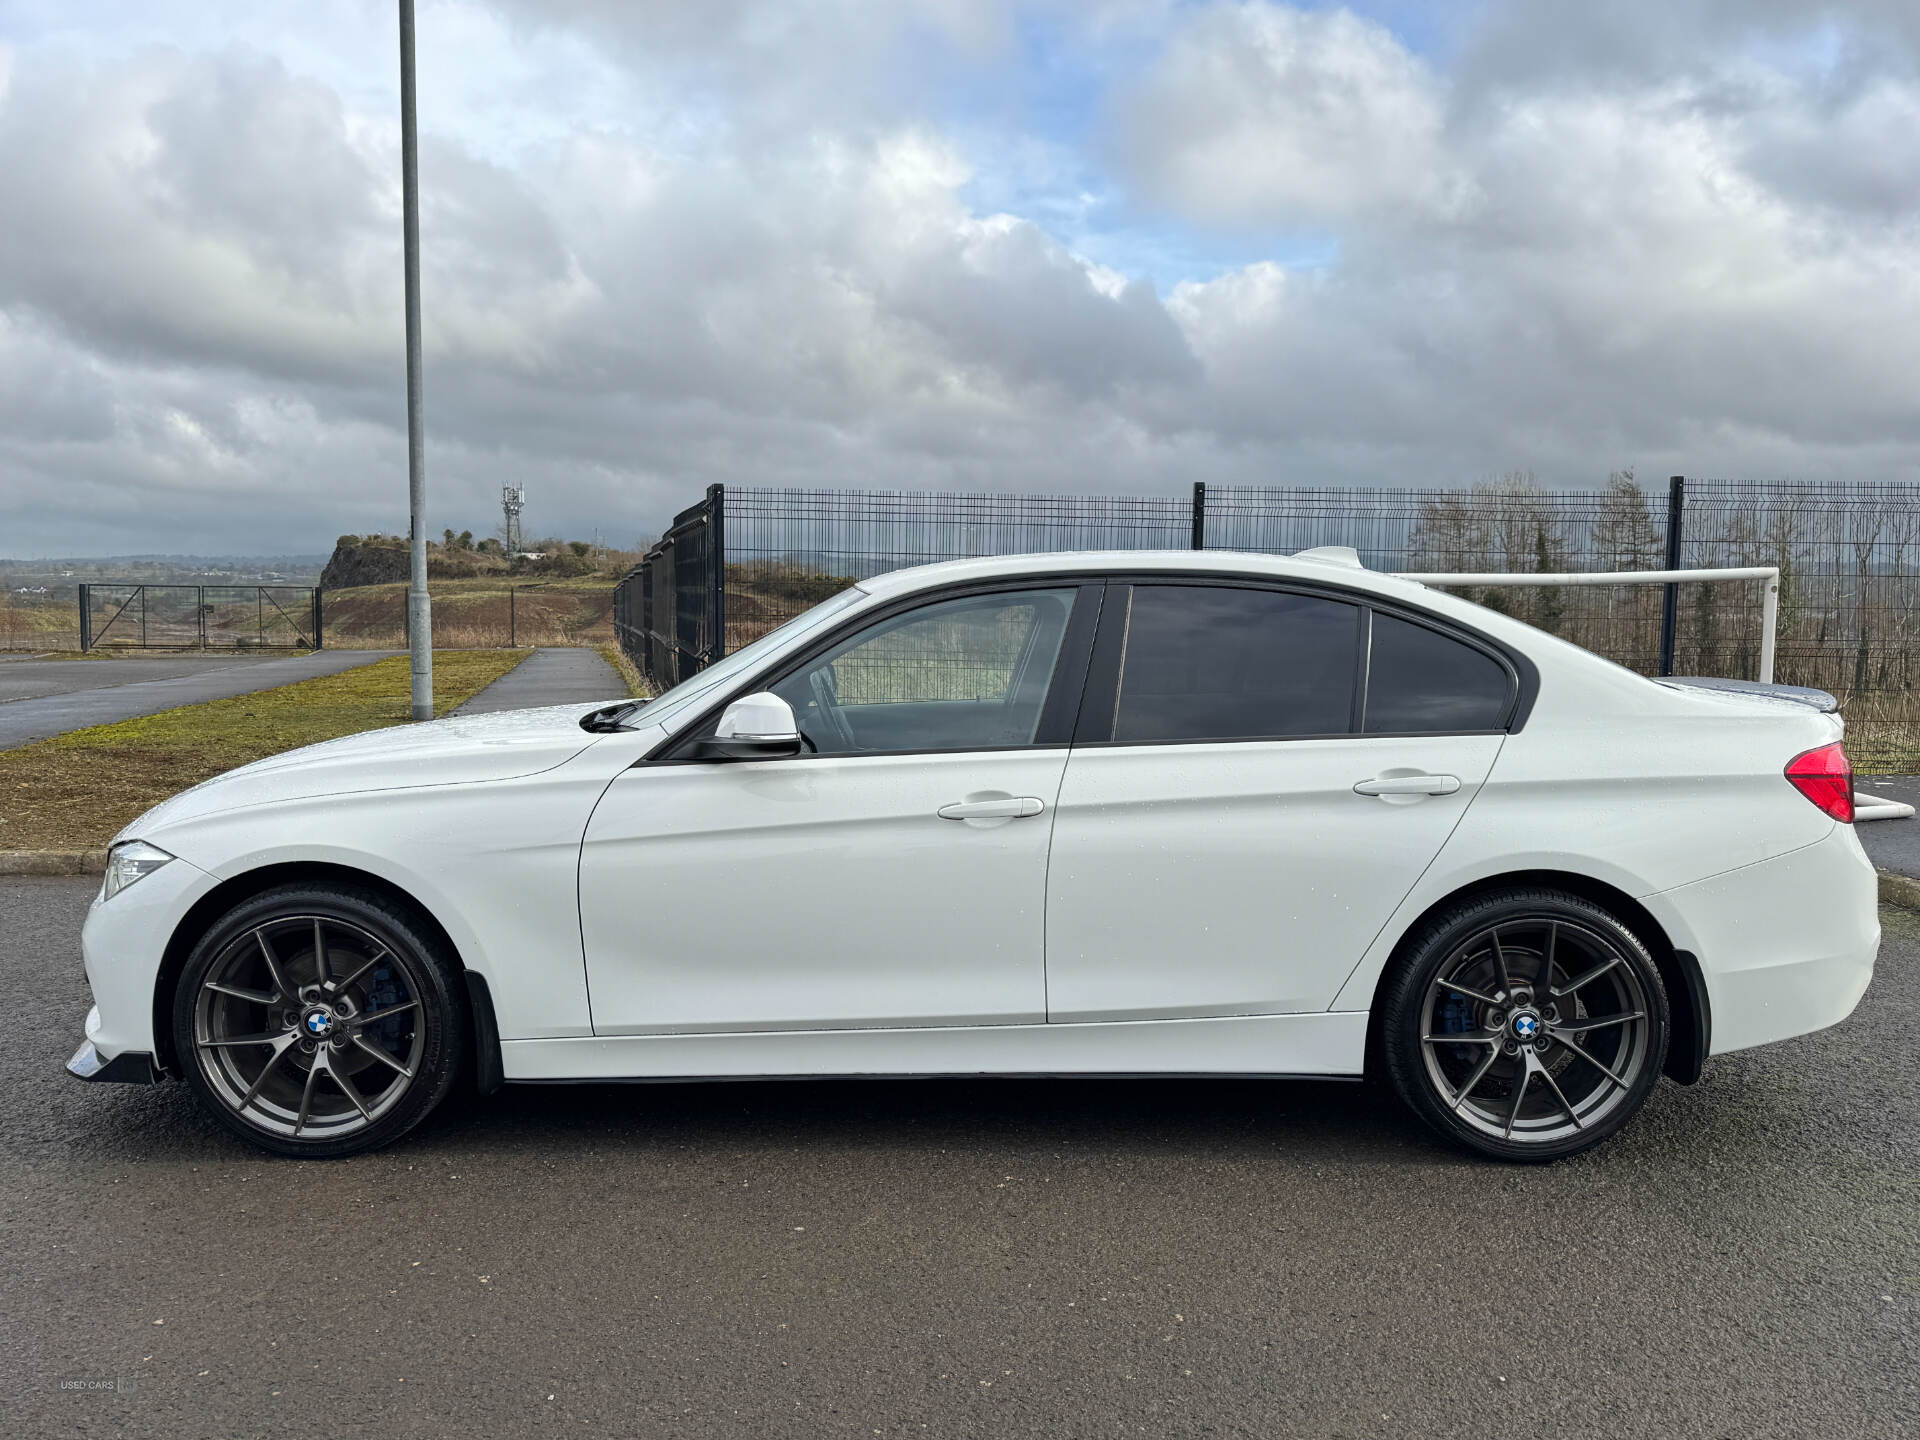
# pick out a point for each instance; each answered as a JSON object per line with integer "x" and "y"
{"x": 1528, "y": 1025}
{"x": 320, "y": 1021}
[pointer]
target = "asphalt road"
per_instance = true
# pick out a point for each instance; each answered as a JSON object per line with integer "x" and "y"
{"x": 947, "y": 1258}
{"x": 39, "y": 698}
{"x": 1893, "y": 844}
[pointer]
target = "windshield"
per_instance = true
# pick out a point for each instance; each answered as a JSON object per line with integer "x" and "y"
{"x": 688, "y": 693}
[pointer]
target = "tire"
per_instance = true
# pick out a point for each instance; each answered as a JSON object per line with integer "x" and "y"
{"x": 1532, "y": 1076}
{"x": 320, "y": 1020}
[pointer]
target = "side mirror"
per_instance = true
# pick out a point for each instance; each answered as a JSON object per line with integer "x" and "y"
{"x": 754, "y": 727}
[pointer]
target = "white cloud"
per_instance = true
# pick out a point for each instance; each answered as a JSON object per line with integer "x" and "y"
{"x": 1272, "y": 115}
{"x": 759, "y": 243}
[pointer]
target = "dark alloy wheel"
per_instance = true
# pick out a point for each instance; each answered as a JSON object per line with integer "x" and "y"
{"x": 319, "y": 1021}
{"x": 1528, "y": 1025}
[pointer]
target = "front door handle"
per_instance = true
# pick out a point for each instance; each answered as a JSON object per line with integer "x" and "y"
{"x": 1012, "y": 807}
{"x": 1408, "y": 785}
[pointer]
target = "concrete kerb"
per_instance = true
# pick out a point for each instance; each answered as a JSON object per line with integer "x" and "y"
{"x": 53, "y": 862}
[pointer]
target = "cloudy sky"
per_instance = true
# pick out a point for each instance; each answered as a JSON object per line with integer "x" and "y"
{"x": 1113, "y": 245}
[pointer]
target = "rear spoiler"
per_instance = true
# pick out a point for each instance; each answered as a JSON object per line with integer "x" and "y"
{"x": 1799, "y": 694}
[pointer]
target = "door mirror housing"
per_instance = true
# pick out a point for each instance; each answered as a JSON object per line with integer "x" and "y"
{"x": 754, "y": 727}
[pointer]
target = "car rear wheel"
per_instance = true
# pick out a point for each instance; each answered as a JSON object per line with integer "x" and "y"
{"x": 320, "y": 1021}
{"x": 1527, "y": 1025}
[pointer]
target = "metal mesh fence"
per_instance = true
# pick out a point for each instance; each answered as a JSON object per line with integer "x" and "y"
{"x": 1511, "y": 531}
{"x": 1849, "y": 556}
{"x": 787, "y": 550}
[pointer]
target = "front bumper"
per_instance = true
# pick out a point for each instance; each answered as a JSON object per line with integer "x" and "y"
{"x": 123, "y": 944}
{"x": 129, "y": 1067}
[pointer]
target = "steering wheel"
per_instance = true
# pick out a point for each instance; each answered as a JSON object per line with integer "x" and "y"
{"x": 826, "y": 701}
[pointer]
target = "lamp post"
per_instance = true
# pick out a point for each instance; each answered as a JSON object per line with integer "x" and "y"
{"x": 419, "y": 609}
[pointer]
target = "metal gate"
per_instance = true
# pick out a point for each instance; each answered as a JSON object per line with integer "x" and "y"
{"x": 199, "y": 617}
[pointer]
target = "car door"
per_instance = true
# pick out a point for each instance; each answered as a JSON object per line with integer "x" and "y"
{"x": 892, "y": 875}
{"x": 1241, "y": 815}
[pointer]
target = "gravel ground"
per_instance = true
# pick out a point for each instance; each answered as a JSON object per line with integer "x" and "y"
{"x": 962, "y": 1258}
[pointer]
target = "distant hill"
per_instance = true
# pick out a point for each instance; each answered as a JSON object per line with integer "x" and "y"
{"x": 384, "y": 559}
{"x": 65, "y": 572}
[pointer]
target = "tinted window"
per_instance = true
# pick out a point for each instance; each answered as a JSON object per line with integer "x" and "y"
{"x": 1226, "y": 663}
{"x": 961, "y": 674}
{"x": 1419, "y": 679}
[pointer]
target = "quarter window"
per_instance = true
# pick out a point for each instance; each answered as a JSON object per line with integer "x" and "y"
{"x": 966, "y": 674}
{"x": 1217, "y": 662}
{"x": 1421, "y": 680}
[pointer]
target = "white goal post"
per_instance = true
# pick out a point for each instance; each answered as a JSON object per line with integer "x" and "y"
{"x": 1769, "y": 595}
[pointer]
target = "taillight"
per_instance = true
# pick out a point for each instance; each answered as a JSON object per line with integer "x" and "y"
{"x": 1825, "y": 776}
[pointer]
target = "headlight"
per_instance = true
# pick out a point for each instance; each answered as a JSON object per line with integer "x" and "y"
{"x": 130, "y": 861}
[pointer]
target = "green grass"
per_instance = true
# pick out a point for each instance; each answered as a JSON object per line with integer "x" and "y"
{"x": 76, "y": 791}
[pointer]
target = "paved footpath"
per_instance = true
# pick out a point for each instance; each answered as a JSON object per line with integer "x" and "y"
{"x": 40, "y": 698}
{"x": 553, "y": 675}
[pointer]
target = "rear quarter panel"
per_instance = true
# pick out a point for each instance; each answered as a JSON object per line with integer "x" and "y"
{"x": 1626, "y": 782}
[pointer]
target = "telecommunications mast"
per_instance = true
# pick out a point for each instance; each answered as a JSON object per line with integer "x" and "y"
{"x": 513, "y": 499}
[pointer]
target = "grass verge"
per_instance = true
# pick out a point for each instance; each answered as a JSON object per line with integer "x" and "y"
{"x": 78, "y": 790}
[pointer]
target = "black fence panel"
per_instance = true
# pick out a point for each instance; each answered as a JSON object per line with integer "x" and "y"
{"x": 669, "y": 611}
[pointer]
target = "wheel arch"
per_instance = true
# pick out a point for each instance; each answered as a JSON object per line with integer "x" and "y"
{"x": 207, "y": 910}
{"x": 1687, "y": 1004}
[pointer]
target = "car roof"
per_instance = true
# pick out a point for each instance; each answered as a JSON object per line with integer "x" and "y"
{"x": 1329, "y": 565}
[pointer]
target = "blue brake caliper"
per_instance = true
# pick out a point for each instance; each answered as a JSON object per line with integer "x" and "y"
{"x": 1455, "y": 1016}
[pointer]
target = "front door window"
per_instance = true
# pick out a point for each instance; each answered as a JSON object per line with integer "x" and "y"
{"x": 966, "y": 674}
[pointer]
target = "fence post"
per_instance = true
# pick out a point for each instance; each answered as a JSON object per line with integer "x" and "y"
{"x": 1199, "y": 515}
{"x": 143, "y": 617}
{"x": 86, "y": 616}
{"x": 318, "y": 639}
{"x": 513, "y": 619}
{"x": 1670, "y": 601}
{"x": 717, "y": 556}
{"x": 200, "y": 612}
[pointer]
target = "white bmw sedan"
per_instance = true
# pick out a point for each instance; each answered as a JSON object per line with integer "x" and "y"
{"x": 1092, "y": 814}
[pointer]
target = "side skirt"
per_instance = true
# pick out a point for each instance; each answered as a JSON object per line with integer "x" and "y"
{"x": 1320, "y": 1044}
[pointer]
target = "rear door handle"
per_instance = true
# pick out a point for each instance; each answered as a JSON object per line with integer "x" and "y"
{"x": 1409, "y": 785}
{"x": 1014, "y": 807}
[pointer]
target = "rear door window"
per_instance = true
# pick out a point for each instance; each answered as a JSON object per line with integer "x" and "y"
{"x": 1420, "y": 680}
{"x": 1227, "y": 662}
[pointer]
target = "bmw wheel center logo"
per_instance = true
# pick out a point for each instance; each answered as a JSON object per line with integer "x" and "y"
{"x": 318, "y": 1024}
{"x": 1526, "y": 1026}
